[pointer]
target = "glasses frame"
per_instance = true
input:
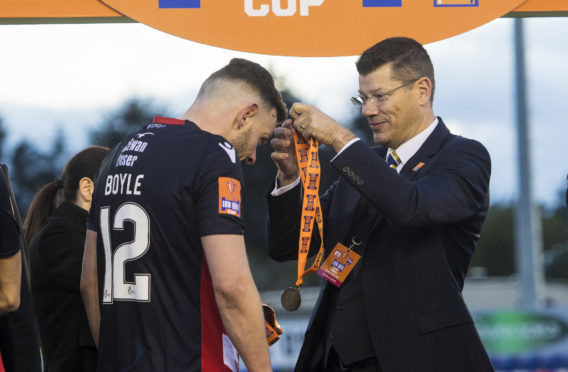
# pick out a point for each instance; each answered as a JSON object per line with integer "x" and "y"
{"x": 377, "y": 98}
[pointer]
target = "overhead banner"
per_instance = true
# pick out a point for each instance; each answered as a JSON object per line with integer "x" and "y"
{"x": 26, "y": 11}
{"x": 310, "y": 27}
{"x": 286, "y": 27}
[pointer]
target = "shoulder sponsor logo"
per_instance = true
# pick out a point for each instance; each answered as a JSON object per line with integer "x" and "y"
{"x": 229, "y": 196}
{"x": 140, "y": 135}
{"x": 230, "y": 150}
{"x": 154, "y": 125}
{"x": 325, "y": 27}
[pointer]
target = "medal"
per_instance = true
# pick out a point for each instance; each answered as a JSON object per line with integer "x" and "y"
{"x": 291, "y": 299}
{"x": 310, "y": 171}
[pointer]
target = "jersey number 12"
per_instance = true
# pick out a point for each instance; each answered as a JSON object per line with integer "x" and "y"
{"x": 115, "y": 285}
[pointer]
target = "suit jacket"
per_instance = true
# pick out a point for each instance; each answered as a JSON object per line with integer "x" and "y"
{"x": 56, "y": 254}
{"x": 416, "y": 259}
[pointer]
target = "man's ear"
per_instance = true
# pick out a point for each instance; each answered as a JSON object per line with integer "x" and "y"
{"x": 245, "y": 114}
{"x": 424, "y": 86}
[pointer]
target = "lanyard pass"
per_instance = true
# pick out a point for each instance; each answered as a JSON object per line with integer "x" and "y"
{"x": 340, "y": 263}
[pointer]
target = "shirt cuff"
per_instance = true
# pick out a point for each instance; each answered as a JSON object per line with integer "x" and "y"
{"x": 346, "y": 146}
{"x": 279, "y": 191}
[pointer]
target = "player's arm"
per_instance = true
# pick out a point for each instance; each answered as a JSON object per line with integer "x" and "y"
{"x": 237, "y": 298}
{"x": 10, "y": 279}
{"x": 89, "y": 284}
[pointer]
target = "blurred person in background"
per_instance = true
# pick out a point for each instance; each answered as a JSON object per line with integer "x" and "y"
{"x": 19, "y": 334}
{"x": 55, "y": 229}
{"x": 10, "y": 257}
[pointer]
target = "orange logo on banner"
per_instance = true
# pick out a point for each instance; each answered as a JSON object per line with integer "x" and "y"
{"x": 311, "y": 27}
{"x": 229, "y": 196}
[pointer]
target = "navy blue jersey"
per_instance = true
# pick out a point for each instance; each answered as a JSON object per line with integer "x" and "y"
{"x": 157, "y": 193}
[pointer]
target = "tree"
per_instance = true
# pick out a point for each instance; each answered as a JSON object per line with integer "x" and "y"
{"x": 33, "y": 168}
{"x": 496, "y": 247}
{"x": 126, "y": 119}
{"x": 3, "y": 135}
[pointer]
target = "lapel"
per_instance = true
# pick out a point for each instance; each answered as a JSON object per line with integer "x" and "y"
{"x": 428, "y": 149}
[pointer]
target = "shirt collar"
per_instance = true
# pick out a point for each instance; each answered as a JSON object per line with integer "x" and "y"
{"x": 409, "y": 148}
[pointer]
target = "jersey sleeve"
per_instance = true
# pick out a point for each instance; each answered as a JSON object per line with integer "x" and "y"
{"x": 9, "y": 231}
{"x": 93, "y": 217}
{"x": 218, "y": 190}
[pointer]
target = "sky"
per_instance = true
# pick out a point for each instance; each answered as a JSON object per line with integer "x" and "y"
{"x": 71, "y": 76}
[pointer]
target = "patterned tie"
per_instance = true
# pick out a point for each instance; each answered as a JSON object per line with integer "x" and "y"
{"x": 393, "y": 160}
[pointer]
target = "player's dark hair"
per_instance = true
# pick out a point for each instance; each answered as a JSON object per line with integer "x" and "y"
{"x": 84, "y": 164}
{"x": 408, "y": 57}
{"x": 257, "y": 78}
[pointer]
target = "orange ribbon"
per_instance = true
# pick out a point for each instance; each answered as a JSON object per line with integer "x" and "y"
{"x": 310, "y": 172}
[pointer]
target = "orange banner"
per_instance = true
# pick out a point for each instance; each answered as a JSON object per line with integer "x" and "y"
{"x": 55, "y": 9}
{"x": 543, "y": 6}
{"x": 286, "y": 27}
{"x": 311, "y": 27}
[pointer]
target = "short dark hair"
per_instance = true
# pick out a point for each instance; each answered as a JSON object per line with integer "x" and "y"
{"x": 408, "y": 57}
{"x": 257, "y": 78}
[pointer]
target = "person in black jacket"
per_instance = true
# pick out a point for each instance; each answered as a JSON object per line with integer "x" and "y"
{"x": 19, "y": 333}
{"x": 10, "y": 264}
{"x": 55, "y": 227}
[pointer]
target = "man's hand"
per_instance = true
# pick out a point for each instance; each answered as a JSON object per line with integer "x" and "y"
{"x": 284, "y": 155}
{"x": 309, "y": 121}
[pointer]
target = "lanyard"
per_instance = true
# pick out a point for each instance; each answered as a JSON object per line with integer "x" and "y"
{"x": 310, "y": 172}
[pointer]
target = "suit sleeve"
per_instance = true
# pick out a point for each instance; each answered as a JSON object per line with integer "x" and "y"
{"x": 284, "y": 215}
{"x": 452, "y": 188}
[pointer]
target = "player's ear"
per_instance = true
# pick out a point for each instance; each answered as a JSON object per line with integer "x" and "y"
{"x": 245, "y": 114}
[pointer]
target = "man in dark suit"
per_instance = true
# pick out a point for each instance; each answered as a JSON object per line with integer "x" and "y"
{"x": 416, "y": 204}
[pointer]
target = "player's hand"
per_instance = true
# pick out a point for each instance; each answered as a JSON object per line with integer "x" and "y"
{"x": 284, "y": 155}
{"x": 310, "y": 121}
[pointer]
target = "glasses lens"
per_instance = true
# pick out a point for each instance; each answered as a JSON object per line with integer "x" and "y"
{"x": 357, "y": 101}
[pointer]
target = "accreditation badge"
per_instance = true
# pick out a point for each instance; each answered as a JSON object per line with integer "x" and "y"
{"x": 338, "y": 264}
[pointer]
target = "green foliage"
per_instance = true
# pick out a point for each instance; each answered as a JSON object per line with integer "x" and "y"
{"x": 496, "y": 247}
{"x": 32, "y": 168}
{"x": 126, "y": 119}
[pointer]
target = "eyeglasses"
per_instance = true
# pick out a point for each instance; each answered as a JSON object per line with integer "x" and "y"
{"x": 377, "y": 98}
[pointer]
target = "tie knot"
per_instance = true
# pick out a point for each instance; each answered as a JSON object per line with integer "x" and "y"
{"x": 393, "y": 160}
